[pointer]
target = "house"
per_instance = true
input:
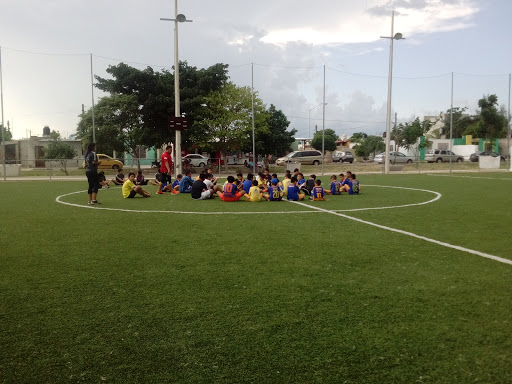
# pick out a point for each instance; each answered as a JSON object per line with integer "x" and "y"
{"x": 30, "y": 154}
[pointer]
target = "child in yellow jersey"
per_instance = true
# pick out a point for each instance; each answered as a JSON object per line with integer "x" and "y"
{"x": 255, "y": 193}
{"x": 286, "y": 182}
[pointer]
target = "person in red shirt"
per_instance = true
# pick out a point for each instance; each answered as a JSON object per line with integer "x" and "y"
{"x": 230, "y": 191}
{"x": 165, "y": 168}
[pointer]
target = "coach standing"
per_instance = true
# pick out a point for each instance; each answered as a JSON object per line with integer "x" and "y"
{"x": 91, "y": 171}
{"x": 166, "y": 167}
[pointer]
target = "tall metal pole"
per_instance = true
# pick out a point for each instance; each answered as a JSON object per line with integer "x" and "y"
{"x": 508, "y": 127}
{"x": 253, "y": 138}
{"x": 177, "y": 112}
{"x": 323, "y": 127}
{"x": 451, "y": 125}
{"x": 2, "y": 107}
{"x": 92, "y": 97}
{"x": 390, "y": 83}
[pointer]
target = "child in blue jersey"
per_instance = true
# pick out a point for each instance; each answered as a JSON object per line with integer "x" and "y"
{"x": 186, "y": 182}
{"x": 345, "y": 183}
{"x": 318, "y": 193}
{"x": 240, "y": 181}
{"x": 354, "y": 190}
{"x": 247, "y": 184}
{"x": 335, "y": 186}
{"x": 275, "y": 192}
{"x": 294, "y": 191}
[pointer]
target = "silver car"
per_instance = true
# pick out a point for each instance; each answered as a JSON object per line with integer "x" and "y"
{"x": 197, "y": 160}
{"x": 394, "y": 157}
{"x": 442, "y": 155}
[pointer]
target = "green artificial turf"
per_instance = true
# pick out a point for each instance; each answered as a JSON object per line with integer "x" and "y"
{"x": 130, "y": 292}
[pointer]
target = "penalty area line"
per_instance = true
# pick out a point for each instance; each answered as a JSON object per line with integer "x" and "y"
{"x": 442, "y": 243}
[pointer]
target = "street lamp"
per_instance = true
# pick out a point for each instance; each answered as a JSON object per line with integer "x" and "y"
{"x": 397, "y": 36}
{"x": 179, "y": 18}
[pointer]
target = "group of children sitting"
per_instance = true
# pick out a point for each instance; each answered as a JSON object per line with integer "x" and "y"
{"x": 293, "y": 187}
{"x": 266, "y": 187}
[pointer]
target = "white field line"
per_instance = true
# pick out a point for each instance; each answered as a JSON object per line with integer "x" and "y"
{"x": 58, "y": 200}
{"x": 471, "y": 177}
{"x": 478, "y": 253}
{"x": 437, "y": 194}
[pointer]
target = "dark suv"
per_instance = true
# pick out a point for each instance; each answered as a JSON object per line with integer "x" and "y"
{"x": 340, "y": 156}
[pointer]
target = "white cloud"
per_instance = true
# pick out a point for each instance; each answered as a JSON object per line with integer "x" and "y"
{"x": 353, "y": 25}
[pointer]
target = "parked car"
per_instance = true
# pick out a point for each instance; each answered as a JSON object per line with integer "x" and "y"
{"x": 442, "y": 155}
{"x": 108, "y": 162}
{"x": 474, "y": 156}
{"x": 394, "y": 157}
{"x": 303, "y": 157}
{"x": 196, "y": 160}
{"x": 342, "y": 156}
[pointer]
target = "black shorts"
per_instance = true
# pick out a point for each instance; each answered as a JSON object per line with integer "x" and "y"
{"x": 165, "y": 178}
{"x": 132, "y": 195}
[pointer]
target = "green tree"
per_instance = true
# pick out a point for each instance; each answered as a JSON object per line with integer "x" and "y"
{"x": 154, "y": 92}
{"x": 118, "y": 124}
{"x": 492, "y": 124}
{"x": 59, "y": 150}
{"x": 6, "y": 133}
{"x": 370, "y": 145}
{"x": 461, "y": 122}
{"x": 329, "y": 140}
{"x": 358, "y": 137}
{"x": 275, "y": 140}
{"x": 406, "y": 135}
{"x": 226, "y": 120}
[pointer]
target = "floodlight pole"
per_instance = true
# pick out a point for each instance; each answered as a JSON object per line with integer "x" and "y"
{"x": 508, "y": 127}
{"x": 252, "y": 117}
{"x": 178, "y": 18}
{"x": 397, "y": 36}
{"x": 92, "y": 108}
{"x": 323, "y": 128}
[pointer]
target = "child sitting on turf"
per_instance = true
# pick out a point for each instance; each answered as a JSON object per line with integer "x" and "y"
{"x": 309, "y": 185}
{"x": 355, "y": 187}
{"x": 176, "y": 183}
{"x": 230, "y": 191}
{"x": 335, "y": 186}
{"x": 262, "y": 182}
{"x": 274, "y": 191}
{"x": 247, "y": 184}
{"x": 318, "y": 193}
{"x": 139, "y": 179}
{"x": 286, "y": 182}
{"x": 345, "y": 183}
{"x": 293, "y": 193}
{"x": 186, "y": 183}
{"x": 254, "y": 193}
{"x": 240, "y": 179}
{"x": 130, "y": 190}
{"x": 102, "y": 180}
{"x": 119, "y": 180}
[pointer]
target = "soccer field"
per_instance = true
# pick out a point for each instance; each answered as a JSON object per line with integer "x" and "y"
{"x": 409, "y": 282}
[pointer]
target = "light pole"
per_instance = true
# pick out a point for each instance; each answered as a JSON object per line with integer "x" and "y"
{"x": 397, "y": 36}
{"x": 178, "y": 18}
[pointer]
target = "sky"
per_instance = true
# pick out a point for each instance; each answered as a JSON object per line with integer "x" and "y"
{"x": 288, "y": 49}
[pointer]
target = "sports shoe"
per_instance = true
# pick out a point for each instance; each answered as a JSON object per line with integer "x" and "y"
{"x": 90, "y": 203}
{"x": 175, "y": 192}
{"x": 95, "y": 202}
{"x": 160, "y": 192}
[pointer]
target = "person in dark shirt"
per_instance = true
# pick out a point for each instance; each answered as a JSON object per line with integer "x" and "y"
{"x": 199, "y": 189}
